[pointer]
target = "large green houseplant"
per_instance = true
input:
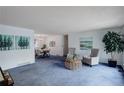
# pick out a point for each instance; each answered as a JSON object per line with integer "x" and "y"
{"x": 113, "y": 43}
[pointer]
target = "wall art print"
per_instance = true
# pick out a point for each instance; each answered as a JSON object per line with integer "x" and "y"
{"x": 22, "y": 42}
{"x": 11, "y": 42}
{"x": 6, "y": 42}
{"x": 52, "y": 43}
{"x": 86, "y": 43}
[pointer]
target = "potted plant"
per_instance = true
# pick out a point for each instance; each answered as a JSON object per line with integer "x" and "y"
{"x": 113, "y": 43}
{"x": 71, "y": 58}
{"x": 72, "y": 61}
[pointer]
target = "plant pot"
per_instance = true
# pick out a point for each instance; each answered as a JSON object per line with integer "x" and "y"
{"x": 112, "y": 63}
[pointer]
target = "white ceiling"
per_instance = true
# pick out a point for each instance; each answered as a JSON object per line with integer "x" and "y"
{"x": 63, "y": 19}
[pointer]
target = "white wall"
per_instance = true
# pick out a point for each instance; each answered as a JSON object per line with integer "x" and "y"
{"x": 45, "y": 39}
{"x": 97, "y": 43}
{"x": 58, "y": 49}
{"x": 40, "y": 40}
{"x": 1, "y": 14}
{"x": 14, "y": 58}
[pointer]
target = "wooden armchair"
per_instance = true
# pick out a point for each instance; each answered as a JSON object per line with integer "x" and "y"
{"x": 5, "y": 78}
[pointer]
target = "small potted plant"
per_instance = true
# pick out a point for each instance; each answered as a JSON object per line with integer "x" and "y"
{"x": 113, "y": 43}
{"x": 72, "y": 62}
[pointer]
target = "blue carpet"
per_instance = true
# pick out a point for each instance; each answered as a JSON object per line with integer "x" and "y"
{"x": 51, "y": 72}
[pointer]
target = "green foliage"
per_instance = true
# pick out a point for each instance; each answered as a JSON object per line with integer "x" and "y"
{"x": 23, "y": 42}
{"x": 71, "y": 57}
{"x": 113, "y": 42}
{"x": 9, "y": 42}
{"x": 75, "y": 56}
{"x": 20, "y": 42}
{"x": 5, "y": 42}
{"x": 0, "y": 42}
{"x": 26, "y": 42}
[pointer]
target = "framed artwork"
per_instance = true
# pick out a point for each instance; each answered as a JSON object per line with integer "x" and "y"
{"x": 52, "y": 44}
{"x": 86, "y": 43}
{"x": 6, "y": 42}
{"x": 22, "y": 42}
{"x": 11, "y": 42}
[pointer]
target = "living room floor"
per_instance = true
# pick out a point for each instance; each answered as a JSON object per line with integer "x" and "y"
{"x": 51, "y": 72}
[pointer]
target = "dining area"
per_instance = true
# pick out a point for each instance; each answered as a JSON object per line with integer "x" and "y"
{"x": 42, "y": 52}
